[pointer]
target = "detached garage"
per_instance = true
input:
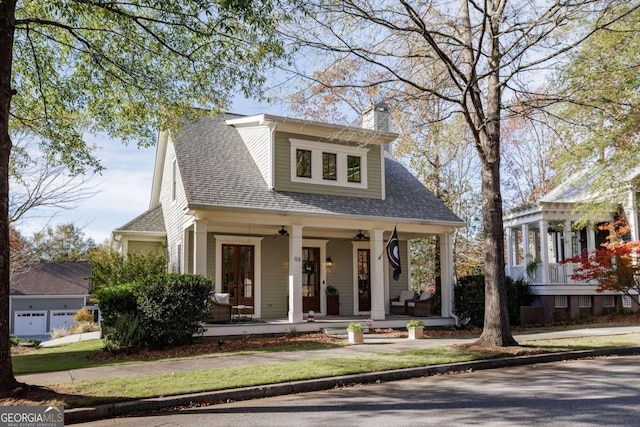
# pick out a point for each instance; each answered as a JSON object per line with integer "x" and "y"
{"x": 47, "y": 297}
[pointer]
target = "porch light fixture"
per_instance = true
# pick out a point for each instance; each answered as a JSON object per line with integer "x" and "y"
{"x": 360, "y": 236}
{"x": 329, "y": 262}
{"x": 283, "y": 231}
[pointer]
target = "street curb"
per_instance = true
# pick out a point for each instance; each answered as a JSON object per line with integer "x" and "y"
{"x": 145, "y": 406}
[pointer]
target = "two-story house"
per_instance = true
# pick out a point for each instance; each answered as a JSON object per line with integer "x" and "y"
{"x": 539, "y": 238}
{"x": 275, "y": 209}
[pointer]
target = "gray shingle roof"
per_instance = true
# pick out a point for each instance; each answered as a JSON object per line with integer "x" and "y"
{"x": 149, "y": 221}
{"x": 54, "y": 278}
{"x": 217, "y": 170}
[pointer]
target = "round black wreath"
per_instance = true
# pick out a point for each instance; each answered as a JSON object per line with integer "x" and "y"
{"x": 308, "y": 267}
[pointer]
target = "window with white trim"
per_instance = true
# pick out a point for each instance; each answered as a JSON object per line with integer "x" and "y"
{"x": 608, "y": 301}
{"x": 626, "y": 301}
{"x": 584, "y": 301}
{"x": 328, "y": 164}
{"x": 561, "y": 301}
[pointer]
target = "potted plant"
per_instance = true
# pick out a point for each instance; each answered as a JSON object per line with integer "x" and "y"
{"x": 356, "y": 333}
{"x": 416, "y": 329}
{"x": 333, "y": 301}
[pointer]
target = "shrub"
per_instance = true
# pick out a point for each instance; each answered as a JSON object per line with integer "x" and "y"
{"x": 469, "y": 299}
{"x": 355, "y": 327}
{"x": 415, "y": 323}
{"x": 172, "y": 307}
{"x": 58, "y": 333}
{"x": 126, "y": 335}
{"x": 115, "y": 301}
{"x": 83, "y": 316}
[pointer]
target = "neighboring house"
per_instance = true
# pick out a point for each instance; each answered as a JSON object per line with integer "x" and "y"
{"x": 541, "y": 237}
{"x": 47, "y": 297}
{"x": 274, "y": 209}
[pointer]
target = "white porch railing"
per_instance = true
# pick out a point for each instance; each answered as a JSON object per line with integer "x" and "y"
{"x": 556, "y": 274}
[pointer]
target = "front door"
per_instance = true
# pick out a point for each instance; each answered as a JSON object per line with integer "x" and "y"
{"x": 237, "y": 274}
{"x": 310, "y": 280}
{"x": 364, "y": 280}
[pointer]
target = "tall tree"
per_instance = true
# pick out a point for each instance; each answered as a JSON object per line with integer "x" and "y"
{"x": 601, "y": 128}
{"x": 65, "y": 242}
{"x": 486, "y": 53}
{"x": 72, "y": 67}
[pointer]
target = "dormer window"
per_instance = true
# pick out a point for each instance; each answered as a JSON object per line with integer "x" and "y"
{"x": 303, "y": 163}
{"x": 353, "y": 169}
{"x": 328, "y": 164}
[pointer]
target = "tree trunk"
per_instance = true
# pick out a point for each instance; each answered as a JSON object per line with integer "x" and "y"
{"x": 497, "y": 330}
{"x": 8, "y": 382}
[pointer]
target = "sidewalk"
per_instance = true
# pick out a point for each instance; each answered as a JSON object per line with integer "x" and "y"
{"x": 373, "y": 345}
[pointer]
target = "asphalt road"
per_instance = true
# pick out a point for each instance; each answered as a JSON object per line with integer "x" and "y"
{"x": 596, "y": 392}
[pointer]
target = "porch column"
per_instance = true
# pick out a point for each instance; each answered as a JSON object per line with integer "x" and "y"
{"x": 377, "y": 274}
{"x": 544, "y": 250}
{"x": 200, "y": 247}
{"x": 591, "y": 239}
{"x": 446, "y": 275}
{"x": 566, "y": 232}
{"x": 184, "y": 268}
{"x": 295, "y": 274}
{"x": 633, "y": 217}
{"x": 509, "y": 233}
{"x": 525, "y": 245}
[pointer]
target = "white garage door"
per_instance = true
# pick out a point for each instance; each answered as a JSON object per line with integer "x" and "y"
{"x": 27, "y": 323}
{"x": 62, "y": 319}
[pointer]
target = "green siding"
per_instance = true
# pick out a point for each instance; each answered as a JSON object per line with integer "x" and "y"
{"x": 275, "y": 277}
{"x": 403, "y": 281}
{"x": 141, "y": 246}
{"x": 283, "y": 170}
{"x": 341, "y": 274}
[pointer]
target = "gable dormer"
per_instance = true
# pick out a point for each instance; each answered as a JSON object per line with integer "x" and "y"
{"x": 318, "y": 158}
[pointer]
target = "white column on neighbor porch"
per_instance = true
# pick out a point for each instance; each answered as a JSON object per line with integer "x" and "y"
{"x": 544, "y": 250}
{"x": 295, "y": 274}
{"x": 591, "y": 239}
{"x": 377, "y": 274}
{"x": 566, "y": 232}
{"x": 446, "y": 274}
{"x": 633, "y": 216}
{"x": 200, "y": 247}
{"x": 526, "y": 257}
{"x": 509, "y": 250}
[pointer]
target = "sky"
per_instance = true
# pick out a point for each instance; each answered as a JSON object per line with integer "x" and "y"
{"x": 123, "y": 188}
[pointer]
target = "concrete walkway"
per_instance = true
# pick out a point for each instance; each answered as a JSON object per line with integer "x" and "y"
{"x": 373, "y": 345}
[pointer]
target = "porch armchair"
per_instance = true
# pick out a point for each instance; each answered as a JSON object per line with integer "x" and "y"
{"x": 422, "y": 305}
{"x": 399, "y": 305}
{"x": 219, "y": 308}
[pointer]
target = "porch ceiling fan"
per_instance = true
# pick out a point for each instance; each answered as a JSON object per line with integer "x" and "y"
{"x": 281, "y": 233}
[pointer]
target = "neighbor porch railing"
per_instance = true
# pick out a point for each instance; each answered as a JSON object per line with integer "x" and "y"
{"x": 556, "y": 274}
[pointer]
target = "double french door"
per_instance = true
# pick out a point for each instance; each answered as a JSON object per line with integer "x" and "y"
{"x": 238, "y": 273}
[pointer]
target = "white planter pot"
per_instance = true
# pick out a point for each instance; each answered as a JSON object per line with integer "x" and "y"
{"x": 356, "y": 337}
{"x": 416, "y": 333}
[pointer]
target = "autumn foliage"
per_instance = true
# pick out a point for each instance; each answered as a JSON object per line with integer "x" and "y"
{"x": 615, "y": 266}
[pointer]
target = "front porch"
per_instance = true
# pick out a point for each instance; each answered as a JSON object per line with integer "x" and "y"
{"x": 283, "y": 325}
